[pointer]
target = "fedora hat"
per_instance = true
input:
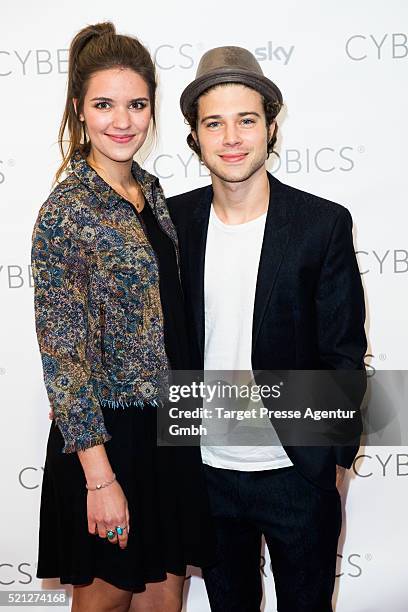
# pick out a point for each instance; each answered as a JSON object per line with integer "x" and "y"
{"x": 229, "y": 65}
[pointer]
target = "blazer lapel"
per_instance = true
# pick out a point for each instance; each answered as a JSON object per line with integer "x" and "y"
{"x": 197, "y": 237}
{"x": 276, "y": 237}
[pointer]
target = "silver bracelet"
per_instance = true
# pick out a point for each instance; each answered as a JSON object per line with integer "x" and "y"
{"x": 102, "y": 485}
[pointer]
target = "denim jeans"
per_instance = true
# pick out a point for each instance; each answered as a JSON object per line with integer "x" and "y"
{"x": 301, "y": 524}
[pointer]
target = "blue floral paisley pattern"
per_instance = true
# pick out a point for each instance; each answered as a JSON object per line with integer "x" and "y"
{"x": 98, "y": 314}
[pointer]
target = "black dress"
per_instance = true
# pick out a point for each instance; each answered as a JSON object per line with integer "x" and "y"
{"x": 170, "y": 525}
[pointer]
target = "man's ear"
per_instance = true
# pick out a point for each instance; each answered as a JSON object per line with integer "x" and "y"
{"x": 271, "y": 130}
{"x": 75, "y": 104}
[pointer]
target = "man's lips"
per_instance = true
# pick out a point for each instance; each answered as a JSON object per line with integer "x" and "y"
{"x": 122, "y": 138}
{"x": 233, "y": 157}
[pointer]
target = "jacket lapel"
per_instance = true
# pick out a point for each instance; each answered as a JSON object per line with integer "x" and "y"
{"x": 276, "y": 236}
{"x": 197, "y": 237}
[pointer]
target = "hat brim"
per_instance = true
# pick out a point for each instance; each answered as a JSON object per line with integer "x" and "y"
{"x": 260, "y": 83}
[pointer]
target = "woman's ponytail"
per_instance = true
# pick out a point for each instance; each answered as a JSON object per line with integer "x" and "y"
{"x": 97, "y": 47}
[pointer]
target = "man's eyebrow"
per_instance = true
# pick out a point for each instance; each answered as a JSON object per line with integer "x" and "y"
{"x": 210, "y": 117}
{"x": 241, "y": 114}
{"x": 249, "y": 113}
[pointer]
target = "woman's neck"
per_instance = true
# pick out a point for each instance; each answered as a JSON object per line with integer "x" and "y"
{"x": 114, "y": 173}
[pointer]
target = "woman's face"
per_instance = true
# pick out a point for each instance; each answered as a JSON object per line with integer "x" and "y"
{"x": 116, "y": 113}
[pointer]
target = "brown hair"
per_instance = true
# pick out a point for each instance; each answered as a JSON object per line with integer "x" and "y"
{"x": 98, "y": 47}
{"x": 271, "y": 109}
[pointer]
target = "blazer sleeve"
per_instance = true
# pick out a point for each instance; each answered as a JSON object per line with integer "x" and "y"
{"x": 61, "y": 279}
{"x": 340, "y": 322}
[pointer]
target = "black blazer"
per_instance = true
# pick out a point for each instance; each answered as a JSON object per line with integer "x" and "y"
{"x": 309, "y": 303}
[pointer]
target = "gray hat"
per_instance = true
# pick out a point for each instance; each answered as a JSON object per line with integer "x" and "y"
{"x": 229, "y": 65}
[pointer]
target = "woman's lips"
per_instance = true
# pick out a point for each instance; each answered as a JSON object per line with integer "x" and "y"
{"x": 120, "y": 139}
{"x": 233, "y": 157}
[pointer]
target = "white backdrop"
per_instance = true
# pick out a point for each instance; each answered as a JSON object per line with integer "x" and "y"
{"x": 342, "y": 68}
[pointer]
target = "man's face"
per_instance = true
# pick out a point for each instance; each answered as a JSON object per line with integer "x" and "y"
{"x": 232, "y": 132}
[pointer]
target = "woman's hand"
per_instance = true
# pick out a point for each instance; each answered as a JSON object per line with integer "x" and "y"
{"x": 107, "y": 509}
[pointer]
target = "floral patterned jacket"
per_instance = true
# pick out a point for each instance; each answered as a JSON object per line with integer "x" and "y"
{"x": 97, "y": 302}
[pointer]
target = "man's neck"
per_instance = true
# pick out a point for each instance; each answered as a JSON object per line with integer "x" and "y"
{"x": 236, "y": 203}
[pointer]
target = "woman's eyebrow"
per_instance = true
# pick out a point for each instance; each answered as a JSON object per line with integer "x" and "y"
{"x": 103, "y": 98}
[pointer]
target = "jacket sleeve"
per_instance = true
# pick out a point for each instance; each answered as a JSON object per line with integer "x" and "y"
{"x": 340, "y": 321}
{"x": 60, "y": 273}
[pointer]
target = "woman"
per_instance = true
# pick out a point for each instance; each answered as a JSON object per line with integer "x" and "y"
{"x": 118, "y": 514}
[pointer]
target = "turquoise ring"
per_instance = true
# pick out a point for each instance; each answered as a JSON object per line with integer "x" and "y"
{"x": 120, "y": 530}
{"x": 110, "y": 534}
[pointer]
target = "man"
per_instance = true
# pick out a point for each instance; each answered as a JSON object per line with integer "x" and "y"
{"x": 271, "y": 283}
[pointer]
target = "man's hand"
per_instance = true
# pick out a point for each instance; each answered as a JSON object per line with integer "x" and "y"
{"x": 340, "y": 473}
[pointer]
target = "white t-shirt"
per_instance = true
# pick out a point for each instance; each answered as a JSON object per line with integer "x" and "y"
{"x": 231, "y": 270}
